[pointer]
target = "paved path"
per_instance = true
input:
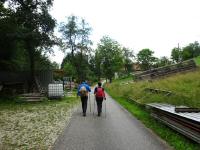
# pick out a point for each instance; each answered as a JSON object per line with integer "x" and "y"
{"x": 117, "y": 131}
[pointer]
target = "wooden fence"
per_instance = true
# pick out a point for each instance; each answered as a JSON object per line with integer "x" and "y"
{"x": 17, "y": 82}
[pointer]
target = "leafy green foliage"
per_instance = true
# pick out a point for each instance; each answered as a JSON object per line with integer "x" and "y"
{"x": 163, "y": 61}
{"x": 110, "y": 55}
{"x": 128, "y": 59}
{"x": 95, "y": 65}
{"x": 75, "y": 33}
{"x": 70, "y": 32}
{"x": 188, "y": 52}
{"x": 197, "y": 60}
{"x": 145, "y": 58}
{"x": 191, "y": 51}
{"x": 26, "y": 28}
{"x": 176, "y": 55}
{"x": 79, "y": 69}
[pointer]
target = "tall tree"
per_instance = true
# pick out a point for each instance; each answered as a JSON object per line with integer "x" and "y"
{"x": 68, "y": 67}
{"x": 96, "y": 65}
{"x": 71, "y": 70}
{"x": 8, "y": 43}
{"x": 176, "y": 54}
{"x": 84, "y": 50}
{"x": 76, "y": 37}
{"x": 190, "y": 51}
{"x": 145, "y": 58}
{"x": 111, "y": 55}
{"x": 70, "y": 33}
{"x": 35, "y": 27}
{"x": 128, "y": 59}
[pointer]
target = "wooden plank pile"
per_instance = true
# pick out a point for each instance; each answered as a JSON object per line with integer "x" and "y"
{"x": 166, "y": 70}
{"x": 32, "y": 97}
{"x": 186, "y": 120}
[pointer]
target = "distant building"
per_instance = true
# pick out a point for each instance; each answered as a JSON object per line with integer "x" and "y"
{"x": 136, "y": 67}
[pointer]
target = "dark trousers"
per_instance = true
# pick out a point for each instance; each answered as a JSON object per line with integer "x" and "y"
{"x": 99, "y": 101}
{"x": 84, "y": 103}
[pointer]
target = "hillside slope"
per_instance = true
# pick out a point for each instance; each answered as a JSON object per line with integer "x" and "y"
{"x": 197, "y": 60}
{"x": 185, "y": 88}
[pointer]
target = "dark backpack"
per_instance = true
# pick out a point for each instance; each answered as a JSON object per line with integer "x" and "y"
{"x": 99, "y": 92}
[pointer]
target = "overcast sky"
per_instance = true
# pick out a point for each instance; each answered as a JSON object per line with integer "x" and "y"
{"x": 155, "y": 24}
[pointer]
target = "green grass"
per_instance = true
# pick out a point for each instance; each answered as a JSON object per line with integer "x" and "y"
{"x": 33, "y": 125}
{"x": 197, "y": 60}
{"x": 185, "y": 88}
{"x": 174, "y": 139}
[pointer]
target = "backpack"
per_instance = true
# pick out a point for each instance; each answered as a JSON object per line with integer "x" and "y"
{"x": 83, "y": 91}
{"x": 99, "y": 92}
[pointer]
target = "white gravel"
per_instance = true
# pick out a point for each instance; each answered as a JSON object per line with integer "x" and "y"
{"x": 35, "y": 127}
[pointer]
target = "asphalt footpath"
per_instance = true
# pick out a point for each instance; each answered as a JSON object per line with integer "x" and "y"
{"x": 116, "y": 129}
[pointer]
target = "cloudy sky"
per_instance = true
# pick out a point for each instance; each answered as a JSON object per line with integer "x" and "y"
{"x": 155, "y": 24}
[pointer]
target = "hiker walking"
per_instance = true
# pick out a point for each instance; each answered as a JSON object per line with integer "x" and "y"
{"x": 83, "y": 91}
{"x": 100, "y": 96}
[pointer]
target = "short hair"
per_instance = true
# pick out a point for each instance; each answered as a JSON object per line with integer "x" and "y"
{"x": 99, "y": 83}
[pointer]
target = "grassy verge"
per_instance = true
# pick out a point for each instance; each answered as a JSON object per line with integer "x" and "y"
{"x": 197, "y": 60}
{"x": 173, "y": 138}
{"x": 33, "y": 125}
{"x": 185, "y": 88}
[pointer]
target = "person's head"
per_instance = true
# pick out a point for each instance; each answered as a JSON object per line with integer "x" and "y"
{"x": 99, "y": 83}
{"x": 84, "y": 82}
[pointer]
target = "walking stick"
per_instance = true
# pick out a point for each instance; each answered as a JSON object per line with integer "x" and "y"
{"x": 90, "y": 102}
{"x": 94, "y": 106}
{"x": 105, "y": 108}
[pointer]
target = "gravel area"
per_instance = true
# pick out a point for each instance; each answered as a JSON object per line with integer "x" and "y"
{"x": 33, "y": 126}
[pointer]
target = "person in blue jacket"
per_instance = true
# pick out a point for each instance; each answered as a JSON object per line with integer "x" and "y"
{"x": 83, "y": 91}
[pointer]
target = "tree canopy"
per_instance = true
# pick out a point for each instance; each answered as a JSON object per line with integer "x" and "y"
{"x": 188, "y": 52}
{"x": 76, "y": 38}
{"x": 28, "y": 27}
{"x": 145, "y": 58}
{"x": 110, "y": 55}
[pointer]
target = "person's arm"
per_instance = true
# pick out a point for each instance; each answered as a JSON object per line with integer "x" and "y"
{"x": 95, "y": 90}
{"x": 88, "y": 88}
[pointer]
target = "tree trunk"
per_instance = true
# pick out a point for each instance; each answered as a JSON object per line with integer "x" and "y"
{"x": 99, "y": 72}
{"x": 30, "y": 50}
{"x": 99, "y": 78}
{"x": 81, "y": 69}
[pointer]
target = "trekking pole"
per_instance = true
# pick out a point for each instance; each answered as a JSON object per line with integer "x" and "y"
{"x": 94, "y": 106}
{"x": 105, "y": 108}
{"x": 90, "y": 102}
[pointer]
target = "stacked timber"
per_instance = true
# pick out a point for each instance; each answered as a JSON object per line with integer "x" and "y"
{"x": 183, "y": 119}
{"x": 166, "y": 70}
{"x": 32, "y": 97}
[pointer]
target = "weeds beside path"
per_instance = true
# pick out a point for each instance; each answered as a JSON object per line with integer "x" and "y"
{"x": 33, "y": 125}
{"x": 185, "y": 88}
{"x": 174, "y": 139}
